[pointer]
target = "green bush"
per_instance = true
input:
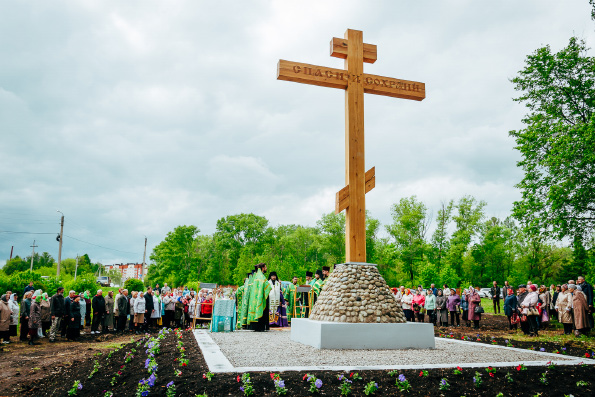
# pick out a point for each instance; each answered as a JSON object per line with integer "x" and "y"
{"x": 132, "y": 284}
{"x": 82, "y": 283}
{"x": 19, "y": 280}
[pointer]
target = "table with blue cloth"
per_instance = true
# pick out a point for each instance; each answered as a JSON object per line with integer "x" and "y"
{"x": 224, "y": 315}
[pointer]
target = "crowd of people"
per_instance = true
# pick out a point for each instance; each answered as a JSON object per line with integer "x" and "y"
{"x": 40, "y": 316}
{"x": 265, "y": 301}
{"x": 530, "y": 306}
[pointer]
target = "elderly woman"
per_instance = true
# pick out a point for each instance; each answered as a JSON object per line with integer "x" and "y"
{"x": 529, "y": 308}
{"x": 46, "y": 318}
{"x": 75, "y": 317}
{"x": 83, "y": 305}
{"x": 510, "y": 308}
{"x": 24, "y": 315}
{"x": 545, "y": 298}
{"x": 14, "y": 320}
{"x": 133, "y": 298}
{"x": 109, "y": 311}
{"x": 406, "y": 302}
{"x": 419, "y": 302}
{"x": 474, "y": 301}
{"x": 465, "y": 308}
{"x": 139, "y": 311}
{"x": 87, "y": 312}
{"x": 564, "y": 308}
{"x": 156, "y": 314}
{"x": 179, "y": 309}
{"x": 5, "y": 317}
{"x": 34, "y": 320}
{"x": 441, "y": 310}
{"x": 453, "y": 304}
{"x": 430, "y": 306}
{"x": 581, "y": 311}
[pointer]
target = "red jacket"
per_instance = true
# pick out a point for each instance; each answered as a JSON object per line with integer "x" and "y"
{"x": 207, "y": 309}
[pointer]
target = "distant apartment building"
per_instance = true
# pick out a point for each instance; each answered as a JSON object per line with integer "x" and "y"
{"x": 129, "y": 270}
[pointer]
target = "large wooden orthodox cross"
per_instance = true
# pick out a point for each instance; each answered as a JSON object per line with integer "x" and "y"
{"x": 355, "y": 83}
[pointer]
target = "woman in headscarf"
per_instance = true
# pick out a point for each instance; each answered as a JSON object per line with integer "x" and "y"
{"x": 545, "y": 298}
{"x": 465, "y": 308}
{"x": 453, "y": 304}
{"x": 441, "y": 310}
{"x": 139, "y": 312}
{"x": 564, "y": 309}
{"x": 510, "y": 307}
{"x": 24, "y": 313}
{"x": 46, "y": 318}
{"x": 156, "y": 314}
{"x": 109, "y": 311}
{"x": 529, "y": 308}
{"x": 419, "y": 301}
{"x": 430, "y": 305}
{"x": 74, "y": 325}
{"x": 474, "y": 300}
{"x": 5, "y": 316}
{"x": 179, "y": 310}
{"x": 34, "y": 319}
{"x": 581, "y": 310}
{"x": 406, "y": 302}
{"x": 14, "y": 320}
{"x": 83, "y": 305}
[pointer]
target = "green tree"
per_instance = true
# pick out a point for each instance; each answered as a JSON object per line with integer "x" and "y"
{"x": 175, "y": 256}
{"x": 558, "y": 198}
{"x": 133, "y": 284}
{"x": 332, "y": 232}
{"x": 440, "y": 240}
{"x": 15, "y": 265}
{"x": 468, "y": 217}
{"x": 409, "y": 227}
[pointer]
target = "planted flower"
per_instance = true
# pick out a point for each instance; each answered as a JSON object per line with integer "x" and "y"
{"x": 403, "y": 384}
{"x": 444, "y": 384}
{"x": 458, "y": 371}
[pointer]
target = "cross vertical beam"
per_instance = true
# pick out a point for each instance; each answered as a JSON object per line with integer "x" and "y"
{"x": 355, "y": 216}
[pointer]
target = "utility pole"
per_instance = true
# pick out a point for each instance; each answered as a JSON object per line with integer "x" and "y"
{"x": 11, "y": 248}
{"x": 144, "y": 256}
{"x": 60, "y": 246}
{"x": 32, "y": 255}
{"x": 77, "y": 266}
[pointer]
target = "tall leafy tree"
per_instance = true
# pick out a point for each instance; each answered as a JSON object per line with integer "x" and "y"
{"x": 440, "y": 240}
{"x": 332, "y": 231}
{"x": 175, "y": 256}
{"x": 468, "y": 217}
{"x": 558, "y": 198}
{"x": 409, "y": 227}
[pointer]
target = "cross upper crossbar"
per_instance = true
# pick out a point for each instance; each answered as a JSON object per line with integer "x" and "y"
{"x": 355, "y": 82}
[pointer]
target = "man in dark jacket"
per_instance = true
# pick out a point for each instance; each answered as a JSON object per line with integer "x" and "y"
{"x": 56, "y": 312}
{"x": 588, "y": 291}
{"x": 149, "y": 307}
{"x": 123, "y": 309}
{"x": 29, "y": 288}
{"x": 495, "y": 291}
{"x": 65, "y": 314}
{"x": 99, "y": 310}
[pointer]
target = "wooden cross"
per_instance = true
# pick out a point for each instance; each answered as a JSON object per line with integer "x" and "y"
{"x": 355, "y": 83}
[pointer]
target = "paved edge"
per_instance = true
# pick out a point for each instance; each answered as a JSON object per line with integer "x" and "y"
{"x": 214, "y": 357}
{"x": 218, "y": 363}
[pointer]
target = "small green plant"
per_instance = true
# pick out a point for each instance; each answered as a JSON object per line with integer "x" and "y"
{"x": 491, "y": 371}
{"x": 279, "y": 384}
{"x": 208, "y": 376}
{"x": 582, "y": 383}
{"x": 508, "y": 377}
{"x": 108, "y": 394}
{"x": 171, "y": 389}
{"x": 246, "y": 387}
{"x": 550, "y": 365}
{"x": 500, "y": 394}
{"x": 355, "y": 376}
{"x": 370, "y": 388}
{"x": 444, "y": 384}
{"x": 477, "y": 381}
{"x": 393, "y": 372}
{"x": 403, "y": 384}
{"x": 95, "y": 369}
{"x": 543, "y": 378}
{"x": 315, "y": 384}
{"x": 75, "y": 388}
{"x": 458, "y": 371}
{"x": 423, "y": 373}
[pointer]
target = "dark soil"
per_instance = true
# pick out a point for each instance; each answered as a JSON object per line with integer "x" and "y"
{"x": 55, "y": 377}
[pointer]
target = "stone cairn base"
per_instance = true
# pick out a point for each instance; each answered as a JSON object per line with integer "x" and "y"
{"x": 357, "y": 293}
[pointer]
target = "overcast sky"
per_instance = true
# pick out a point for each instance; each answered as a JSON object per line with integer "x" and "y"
{"x": 135, "y": 117}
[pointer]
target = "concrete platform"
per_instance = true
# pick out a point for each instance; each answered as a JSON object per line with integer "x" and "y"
{"x": 370, "y": 336}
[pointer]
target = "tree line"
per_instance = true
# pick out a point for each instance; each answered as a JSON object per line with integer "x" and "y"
{"x": 461, "y": 246}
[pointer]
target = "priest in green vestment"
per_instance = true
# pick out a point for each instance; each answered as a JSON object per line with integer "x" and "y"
{"x": 239, "y": 299}
{"x": 289, "y": 296}
{"x": 243, "y": 318}
{"x": 258, "y": 310}
{"x": 317, "y": 286}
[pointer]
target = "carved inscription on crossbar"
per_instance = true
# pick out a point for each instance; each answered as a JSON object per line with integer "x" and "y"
{"x": 355, "y": 82}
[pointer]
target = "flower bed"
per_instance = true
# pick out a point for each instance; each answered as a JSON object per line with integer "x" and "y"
{"x": 195, "y": 378}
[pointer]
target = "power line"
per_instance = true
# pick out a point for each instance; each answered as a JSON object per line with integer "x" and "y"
{"x": 101, "y": 246}
{"x": 13, "y": 232}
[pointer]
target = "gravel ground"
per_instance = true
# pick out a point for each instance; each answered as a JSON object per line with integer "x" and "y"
{"x": 277, "y": 349}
